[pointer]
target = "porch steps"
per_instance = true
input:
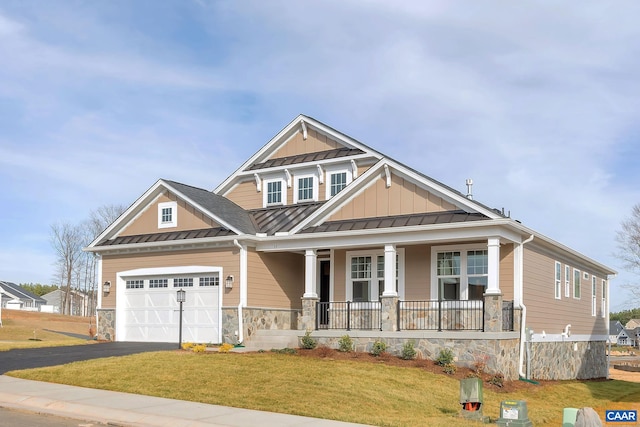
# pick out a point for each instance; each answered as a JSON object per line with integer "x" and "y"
{"x": 267, "y": 339}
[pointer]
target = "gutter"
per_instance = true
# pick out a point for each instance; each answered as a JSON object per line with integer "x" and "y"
{"x": 523, "y": 321}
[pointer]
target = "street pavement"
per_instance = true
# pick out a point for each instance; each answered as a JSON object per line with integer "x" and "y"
{"x": 124, "y": 409}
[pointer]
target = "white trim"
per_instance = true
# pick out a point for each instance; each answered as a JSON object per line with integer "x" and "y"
{"x": 335, "y": 170}
{"x": 464, "y": 277}
{"x": 579, "y": 276}
{"x": 557, "y": 280}
{"x": 296, "y": 187}
{"x": 374, "y": 280}
{"x": 387, "y": 175}
{"x": 174, "y": 214}
{"x": 594, "y": 296}
{"x": 538, "y": 337}
{"x": 265, "y": 192}
{"x": 310, "y": 274}
{"x": 567, "y": 281}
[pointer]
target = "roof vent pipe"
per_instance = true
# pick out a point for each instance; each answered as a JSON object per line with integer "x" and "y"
{"x": 469, "y": 185}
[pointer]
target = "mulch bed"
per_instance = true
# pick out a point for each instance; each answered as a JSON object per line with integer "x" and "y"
{"x": 427, "y": 365}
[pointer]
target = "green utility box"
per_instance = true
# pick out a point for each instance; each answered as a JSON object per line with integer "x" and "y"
{"x": 471, "y": 398}
{"x": 513, "y": 413}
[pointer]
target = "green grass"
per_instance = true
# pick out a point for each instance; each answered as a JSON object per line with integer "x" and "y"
{"x": 369, "y": 393}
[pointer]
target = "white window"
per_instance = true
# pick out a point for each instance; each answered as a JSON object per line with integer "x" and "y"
{"x": 183, "y": 282}
{"x": 576, "y": 283}
{"x": 210, "y": 281}
{"x": 275, "y": 192}
{"x": 305, "y": 189}
{"x": 558, "y": 282}
{"x": 460, "y": 274}
{"x": 336, "y": 181}
{"x": 604, "y": 298}
{"x": 167, "y": 214}
{"x": 365, "y": 280}
{"x": 593, "y": 295}
{"x": 567, "y": 281}
{"x": 158, "y": 283}
{"x": 134, "y": 284}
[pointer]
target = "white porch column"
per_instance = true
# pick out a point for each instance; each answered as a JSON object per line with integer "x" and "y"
{"x": 493, "y": 276}
{"x": 310, "y": 258}
{"x": 390, "y": 271}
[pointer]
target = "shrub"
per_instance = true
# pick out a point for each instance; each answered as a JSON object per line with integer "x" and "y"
{"x": 308, "y": 342}
{"x": 345, "y": 344}
{"x": 225, "y": 348}
{"x": 497, "y": 380}
{"x": 445, "y": 357}
{"x": 408, "y": 351}
{"x": 199, "y": 348}
{"x": 378, "y": 348}
{"x": 449, "y": 368}
{"x": 187, "y": 345}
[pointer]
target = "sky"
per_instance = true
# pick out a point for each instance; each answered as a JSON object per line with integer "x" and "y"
{"x": 537, "y": 102}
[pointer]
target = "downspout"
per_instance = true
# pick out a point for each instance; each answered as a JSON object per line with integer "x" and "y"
{"x": 523, "y": 320}
{"x": 243, "y": 288}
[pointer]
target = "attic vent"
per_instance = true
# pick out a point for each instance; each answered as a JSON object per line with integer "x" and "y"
{"x": 469, "y": 192}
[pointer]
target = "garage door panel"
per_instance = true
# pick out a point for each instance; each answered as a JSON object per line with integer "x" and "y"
{"x": 153, "y": 314}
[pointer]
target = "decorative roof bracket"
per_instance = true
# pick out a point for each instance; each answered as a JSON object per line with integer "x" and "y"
{"x": 258, "y": 182}
{"x": 287, "y": 174}
{"x": 304, "y": 130}
{"x": 320, "y": 174}
{"x": 354, "y": 169}
{"x": 387, "y": 175}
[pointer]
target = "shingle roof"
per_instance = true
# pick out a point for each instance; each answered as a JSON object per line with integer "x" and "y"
{"x": 282, "y": 218}
{"x": 218, "y": 205}
{"x": 396, "y": 221}
{"x": 309, "y": 157}
{"x": 19, "y": 292}
{"x": 169, "y": 236}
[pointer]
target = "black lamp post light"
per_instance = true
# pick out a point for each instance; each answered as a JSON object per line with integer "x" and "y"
{"x": 181, "y": 298}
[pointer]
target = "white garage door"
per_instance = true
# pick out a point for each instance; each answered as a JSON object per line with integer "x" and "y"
{"x": 148, "y": 310}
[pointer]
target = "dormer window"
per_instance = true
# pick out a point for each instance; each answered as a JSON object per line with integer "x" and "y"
{"x": 167, "y": 214}
{"x": 337, "y": 180}
{"x": 274, "y": 192}
{"x": 305, "y": 189}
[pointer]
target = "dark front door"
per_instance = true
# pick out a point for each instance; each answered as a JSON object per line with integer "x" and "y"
{"x": 325, "y": 276}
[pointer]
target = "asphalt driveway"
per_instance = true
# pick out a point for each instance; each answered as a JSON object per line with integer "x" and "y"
{"x": 50, "y": 356}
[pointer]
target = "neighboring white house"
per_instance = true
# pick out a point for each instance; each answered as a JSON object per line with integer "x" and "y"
{"x": 78, "y": 304}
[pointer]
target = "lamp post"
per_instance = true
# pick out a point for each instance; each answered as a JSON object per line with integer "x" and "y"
{"x": 181, "y": 298}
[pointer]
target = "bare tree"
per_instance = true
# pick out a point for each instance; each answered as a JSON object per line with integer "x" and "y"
{"x": 66, "y": 240}
{"x": 628, "y": 239}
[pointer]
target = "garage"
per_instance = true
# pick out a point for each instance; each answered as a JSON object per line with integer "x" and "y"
{"x": 148, "y": 310}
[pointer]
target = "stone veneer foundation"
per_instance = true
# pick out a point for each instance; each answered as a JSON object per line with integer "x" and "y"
{"x": 106, "y": 330}
{"x": 568, "y": 360}
{"x": 255, "y": 319}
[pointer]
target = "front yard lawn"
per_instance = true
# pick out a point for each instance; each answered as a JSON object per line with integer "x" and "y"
{"x": 370, "y": 393}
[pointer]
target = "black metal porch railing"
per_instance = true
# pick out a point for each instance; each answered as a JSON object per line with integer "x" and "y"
{"x": 507, "y": 315}
{"x": 438, "y": 315}
{"x": 366, "y": 315}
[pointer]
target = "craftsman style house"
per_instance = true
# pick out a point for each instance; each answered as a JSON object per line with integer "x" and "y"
{"x": 319, "y": 232}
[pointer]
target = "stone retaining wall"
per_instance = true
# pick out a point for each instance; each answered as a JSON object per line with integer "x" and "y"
{"x": 255, "y": 319}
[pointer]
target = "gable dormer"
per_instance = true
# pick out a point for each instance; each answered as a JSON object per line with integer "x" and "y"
{"x": 307, "y": 162}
